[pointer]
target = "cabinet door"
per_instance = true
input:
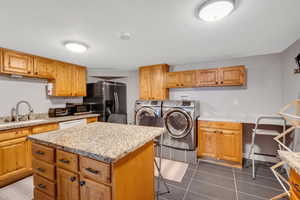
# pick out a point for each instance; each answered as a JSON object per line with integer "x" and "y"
{"x": 67, "y": 185}
{"x": 207, "y": 142}
{"x": 188, "y": 78}
{"x": 17, "y": 63}
{"x": 230, "y": 145}
{"x": 63, "y": 80}
{"x": 207, "y": 77}
{"x": 14, "y": 157}
{"x": 90, "y": 190}
{"x": 79, "y": 81}
{"x": 44, "y": 68}
{"x": 145, "y": 83}
{"x": 158, "y": 88}
{"x": 232, "y": 75}
{"x": 173, "y": 80}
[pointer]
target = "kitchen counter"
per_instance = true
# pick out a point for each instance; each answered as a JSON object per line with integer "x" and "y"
{"x": 291, "y": 158}
{"x": 105, "y": 142}
{"x": 246, "y": 119}
{"x": 44, "y": 120}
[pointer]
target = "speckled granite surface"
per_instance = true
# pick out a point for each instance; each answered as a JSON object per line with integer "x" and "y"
{"x": 42, "y": 120}
{"x": 292, "y": 159}
{"x": 105, "y": 142}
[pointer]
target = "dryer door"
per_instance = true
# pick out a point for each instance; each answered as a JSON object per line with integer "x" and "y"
{"x": 178, "y": 122}
{"x": 143, "y": 113}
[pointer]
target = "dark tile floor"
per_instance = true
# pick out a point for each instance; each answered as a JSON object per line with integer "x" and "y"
{"x": 212, "y": 182}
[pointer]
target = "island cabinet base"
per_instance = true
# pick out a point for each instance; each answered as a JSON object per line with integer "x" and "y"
{"x": 60, "y": 175}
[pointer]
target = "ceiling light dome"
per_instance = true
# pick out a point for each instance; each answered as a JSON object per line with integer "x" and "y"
{"x": 213, "y": 10}
{"x": 76, "y": 47}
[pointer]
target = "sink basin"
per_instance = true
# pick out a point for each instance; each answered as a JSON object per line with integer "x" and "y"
{"x": 22, "y": 122}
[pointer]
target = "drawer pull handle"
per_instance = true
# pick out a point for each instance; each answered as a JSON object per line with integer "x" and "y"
{"x": 296, "y": 186}
{"x": 40, "y": 152}
{"x": 42, "y": 186}
{"x": 64, "y": 161}
{"x": 73, "y": 178}
{"x": 93, "y": 171}
{"x": 82, "y": 183}
{"x": 41, "y": 170}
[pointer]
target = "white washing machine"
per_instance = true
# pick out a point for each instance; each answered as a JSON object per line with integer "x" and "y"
{"x": 180, "y": 121}
{"x": 144, "y": 109}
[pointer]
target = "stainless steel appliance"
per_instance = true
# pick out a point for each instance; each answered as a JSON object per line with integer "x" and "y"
{"x": 145, "y": 110}
{"x": 107, "y": 98}
{"x": 180, "y": 121}
{"x": 78, "y": 108}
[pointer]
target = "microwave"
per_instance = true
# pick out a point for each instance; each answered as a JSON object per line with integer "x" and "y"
{"x": 78, "y": 109}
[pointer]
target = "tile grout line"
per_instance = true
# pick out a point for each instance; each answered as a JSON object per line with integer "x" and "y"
{"x": 235, "y": 184}
{"x": 190, "y": 183}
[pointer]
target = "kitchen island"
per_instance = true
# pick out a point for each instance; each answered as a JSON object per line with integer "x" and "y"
{"x": 99, "y": 161}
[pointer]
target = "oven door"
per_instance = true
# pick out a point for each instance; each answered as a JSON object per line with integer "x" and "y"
{"x": 178, "y": 122}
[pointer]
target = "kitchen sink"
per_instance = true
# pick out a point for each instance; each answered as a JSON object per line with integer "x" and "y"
{"x": 22, "y": 122}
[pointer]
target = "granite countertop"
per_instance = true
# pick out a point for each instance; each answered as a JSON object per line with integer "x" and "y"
{"x": 292, "y": 159}
{"x": 105, "y": 142}
{"x": 42, "y": 120}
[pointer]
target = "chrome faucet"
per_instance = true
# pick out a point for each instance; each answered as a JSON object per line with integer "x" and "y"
{"x": 17, "y": 111}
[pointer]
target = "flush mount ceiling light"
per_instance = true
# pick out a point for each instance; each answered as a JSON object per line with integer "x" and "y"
{"x": 214, "y": 10}
{"x": 76, "y": 47}
{"x": 125, "y": 36}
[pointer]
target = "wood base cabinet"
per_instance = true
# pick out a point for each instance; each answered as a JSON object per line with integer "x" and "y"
{"x": 81, "y": 178}
{"x": 295, "y": 185}
{"x": 220, "y": 142}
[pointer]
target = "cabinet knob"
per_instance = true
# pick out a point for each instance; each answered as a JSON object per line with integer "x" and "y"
{"x": 221, "y": 82}
{"x": 73, "y": 178}
{"x": 82, "y": 183}
{"x": 36, "y": 73}
{"x": 42, "y": 186}
{"x": 28, "y": 72}
{"x": 216, "y": 82}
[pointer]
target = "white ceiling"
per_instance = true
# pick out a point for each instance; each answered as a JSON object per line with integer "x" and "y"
{"x": 163, "y": 31}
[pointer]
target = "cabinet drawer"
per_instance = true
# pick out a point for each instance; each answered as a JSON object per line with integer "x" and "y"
{"x": 44, "y": 185}
{"x": 91, "y": 120}
{"x": 295, "y": 182}
{"x": 13, "y": 134}
{"x": 43, "y": 153}
{"x": 95, "y": 170}
{"x": 44, "y": 128}
{"x": 67, "y": 160}
{"x": 44, "y": 169}
{"x": 220, "y": 125}
{"x": 38, "y": 195}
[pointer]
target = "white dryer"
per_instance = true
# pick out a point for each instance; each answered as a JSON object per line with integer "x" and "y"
{"x": 145, "y": 109}
{"x": 180, "y": 121}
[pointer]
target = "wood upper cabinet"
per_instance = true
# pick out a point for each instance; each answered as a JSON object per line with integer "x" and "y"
{"x": 63, "y": 80}
{"x": 232, "y": 75}
{"x": 67, "y": 185}
{"x": 79, "y": 81}
{"x": 44, "y": 67}
{"x": 207, "y": 77}
{"x": 181, "y": 79}
{"x": 17, "y": 63}
{"x": 153, "y": 82}
{"x": 220, "y": 140}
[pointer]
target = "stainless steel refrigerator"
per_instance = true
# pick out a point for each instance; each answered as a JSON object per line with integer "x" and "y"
{"x": 108, "y": 99}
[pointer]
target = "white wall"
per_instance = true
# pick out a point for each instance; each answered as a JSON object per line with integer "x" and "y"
{"x": 13, "y": 90}
{"x": 131, "y": 79}
{"x": 262, "y": 95}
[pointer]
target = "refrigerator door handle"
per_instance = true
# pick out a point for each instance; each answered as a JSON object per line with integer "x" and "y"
{"x": 117, "y": 105}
